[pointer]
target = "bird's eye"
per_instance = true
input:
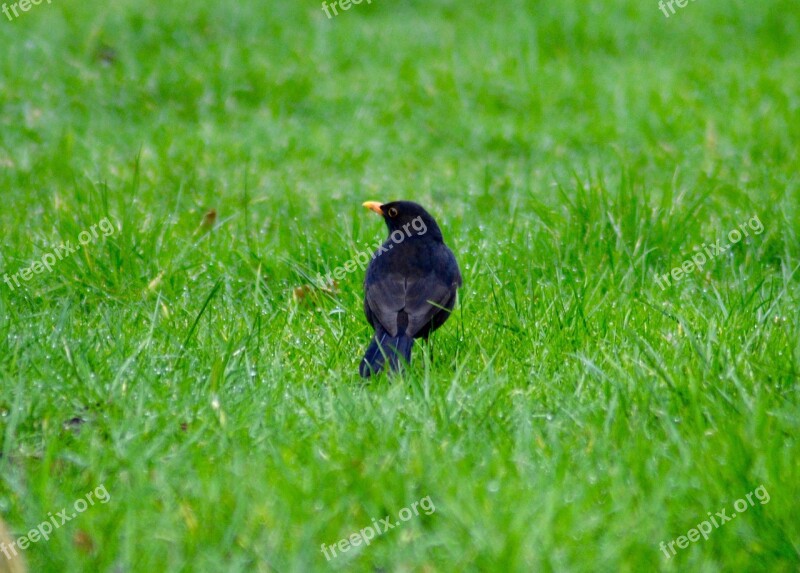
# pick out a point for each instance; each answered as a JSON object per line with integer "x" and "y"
{"x": 392, "y": 212}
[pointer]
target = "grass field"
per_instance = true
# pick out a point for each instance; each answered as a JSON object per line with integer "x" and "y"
{"x": 572, "y": 415}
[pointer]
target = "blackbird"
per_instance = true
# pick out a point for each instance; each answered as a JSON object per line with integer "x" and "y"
{"x": 410, "y": 286}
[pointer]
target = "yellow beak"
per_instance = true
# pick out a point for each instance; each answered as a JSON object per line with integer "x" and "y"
{"x": 373, "y": 206}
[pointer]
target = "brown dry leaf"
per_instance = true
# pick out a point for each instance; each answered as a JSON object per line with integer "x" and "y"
{"x": 189, "y": 517}
{"x": 11, "y": 563}
{"x": 311, "y": 293}
{"x": 209, "y": 220}
{"x": 299, "y": 293}
{"x": 83, "y": 541}
{"x": 156, "y": 282}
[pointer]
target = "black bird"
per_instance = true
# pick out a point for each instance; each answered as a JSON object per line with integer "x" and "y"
{"x": 410, "y": 286}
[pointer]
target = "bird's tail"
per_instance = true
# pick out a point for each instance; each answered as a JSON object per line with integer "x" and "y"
{"x": 396, "y": 348}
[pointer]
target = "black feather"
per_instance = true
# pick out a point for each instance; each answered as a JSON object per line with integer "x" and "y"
{"x": 382, "y": 347}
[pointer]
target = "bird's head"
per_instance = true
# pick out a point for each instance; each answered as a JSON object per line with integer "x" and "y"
{"x": 407, "y": 217}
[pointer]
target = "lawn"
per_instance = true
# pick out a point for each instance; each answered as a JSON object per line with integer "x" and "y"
{"x": 621, "y": 188}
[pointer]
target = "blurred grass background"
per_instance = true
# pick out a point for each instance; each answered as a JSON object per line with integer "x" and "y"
{"x": 571, "y": 415}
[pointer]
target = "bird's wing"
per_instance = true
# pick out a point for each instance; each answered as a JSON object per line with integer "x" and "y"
{"x": 385, "y": 299}
{"x": 401, "y": 303}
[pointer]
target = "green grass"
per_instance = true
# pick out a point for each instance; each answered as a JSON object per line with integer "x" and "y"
{"x": 570, "y": 416}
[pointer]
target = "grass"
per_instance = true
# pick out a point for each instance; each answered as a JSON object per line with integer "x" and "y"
{"x": 570, "y": 416}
